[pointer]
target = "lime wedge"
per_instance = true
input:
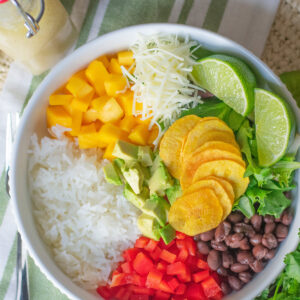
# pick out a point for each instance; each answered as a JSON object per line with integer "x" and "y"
{"x": 274, "y": 126}
{"x": 228, "y": 78}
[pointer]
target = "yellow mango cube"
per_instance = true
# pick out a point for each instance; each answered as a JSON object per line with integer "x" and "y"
{"x": 104, "y": 60}
{"x": 111, "y": 111}
{"x": 126, "y": 102}
{"x": 90, "y": 128}
{"x": 76, "y": 122}
{"x": 125, "y": 58}
{"x": 99, "y": 102}
{"x": 127, "y": 123}
{"x": 139, "y": 135}
{"x": 80, "y": 104}
{"x": 114, "y": 67}
{"x": 81, "y": 74}
{"x": 153, "y": 134}
{"x": 56, "y": 99}
{"x": 108, "y": 152}
{"x": 96, "y": 73}
{"x": 79, "y": 88}
{"x": 58, "y": 115}
{"x": 89, "y": 116}
{"x": 116, "y": 83}
{"x": 109, "y": 133}
{"x": 88, "y": 140}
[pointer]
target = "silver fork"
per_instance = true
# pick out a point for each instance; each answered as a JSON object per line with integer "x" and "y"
{"x": 21, "y": 264}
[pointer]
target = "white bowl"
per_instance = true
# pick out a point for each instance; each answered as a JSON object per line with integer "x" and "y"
{"x": 34, "y": 121}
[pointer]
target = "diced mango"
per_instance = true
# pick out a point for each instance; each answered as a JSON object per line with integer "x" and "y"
{"x": 98, "y": 124}
{"x": 56, "y": 99}
{"x": 153, "y": 134}
{"x": 111, "y": 111}
{"x": 62, "y": 90}
{"x": 90, "y": 128}
{"x": 88, "y": 140}
{"x": 104, "y": 60}
{"x": 80, "y": 104}
{"x": 79, "y": 88}
{"x": 139, "y": 135}
{"x": 126, "y": 101}
{"x": 58, "y": 115}
{"x": 76, "y": 122}
{"x": 89, "y": 116}
{"x": 99, "y": 102}
{"x": 108, "y": 152}
{"x": 97, "y": 73}
{"x": 127, "y": 123}
{"x": 125, "y": 58}
{"x": 114, "y": 67}
{"x": 80, "y": 74}
{"x": 114, "y": 84}
{"x": 110, "y": 133}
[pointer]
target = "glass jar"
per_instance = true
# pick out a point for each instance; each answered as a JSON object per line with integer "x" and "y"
{"x": 41, "y": 51}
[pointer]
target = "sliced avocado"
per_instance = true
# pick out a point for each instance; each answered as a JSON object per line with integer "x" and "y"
{"x": 163, "y": 201}
{"x": 156, "y": 162}
{"x": 125, "y": 150}
{"x": 167, "y": 233}
{"x": 119, "y": 164}
{"x": 160, "y": 180}
{"x": 174, "y": 192}
{"x": 148, "y": 226}
{"x": 137, "y": 200}
{"x": 155, "y": 208}
{"x": 134, "y": 175}
{"x": 111, "y": 174}
{"x": 145, "y": 156}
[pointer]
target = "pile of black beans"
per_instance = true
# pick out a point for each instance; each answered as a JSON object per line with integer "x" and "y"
{"x": 240, "y": 247}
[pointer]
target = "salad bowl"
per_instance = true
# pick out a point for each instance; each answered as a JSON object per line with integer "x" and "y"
{"x": 34, "y": 121}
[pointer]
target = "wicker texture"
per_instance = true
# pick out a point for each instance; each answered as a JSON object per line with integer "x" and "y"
{"x": 282, "y": 51}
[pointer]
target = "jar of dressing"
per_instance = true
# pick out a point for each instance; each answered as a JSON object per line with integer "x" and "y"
{"x": 36, "y": 33}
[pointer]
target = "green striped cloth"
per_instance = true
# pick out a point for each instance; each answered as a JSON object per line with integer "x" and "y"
{"x": 246, "y": 21}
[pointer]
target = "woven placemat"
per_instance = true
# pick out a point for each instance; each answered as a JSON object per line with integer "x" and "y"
{"x": 282, "y": 51}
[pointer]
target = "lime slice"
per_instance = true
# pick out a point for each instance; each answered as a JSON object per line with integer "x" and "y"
{"x": 228, "y": 78}
{"x": 274, "y": 125}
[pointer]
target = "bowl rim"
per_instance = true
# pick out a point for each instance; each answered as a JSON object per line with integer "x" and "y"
{"x": 60, "y": 67}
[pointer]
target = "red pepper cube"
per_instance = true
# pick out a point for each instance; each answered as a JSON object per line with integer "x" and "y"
{"x": 160, "y": 295}
{"x": 218, "y": 296}
{"x": 162, "y": 266}
{"x": 104, "y": 291}
{"x": 180, "y": 289}
{"x": 210, "y": 287}
{"x": 136, "y": 279}
{"x": 173, "y": 283}
{"x": 181, "y": 244}
{"x": 200, "y": 276}
{"x": 167, "y": 256}
{"x": 170, "y": 244}
{"x": 180, "y": 235}
{"x": 191, "y": 246}
{"x": 194, "y": 292}
{"x": 118, "y": 279}
{"x": 163, "y": 286}
{"x": 183, "y": 255}
{"x": 155, "y": 254}
{"x": 177, "y": 268}
{"x": 154, "y": 279}
{"x": 216, "y": 277}
{"x": 185, "y": 277}
{"x": 121, "y": 294}
{"x": 139, "y": 297}
{"x": 126, "y": 267}
{"x": 201, "y": 264}
{"x": 130, "y": 254}
{"x": 151, "y": 245}
{"x": 142, "y": 290}
{"x": 142, "y": 264}
{"x": 141, "y": 242}
{"x": 191, "y": 262}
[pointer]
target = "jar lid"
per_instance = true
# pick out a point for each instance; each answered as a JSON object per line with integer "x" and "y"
{"x": 3, "y": 1}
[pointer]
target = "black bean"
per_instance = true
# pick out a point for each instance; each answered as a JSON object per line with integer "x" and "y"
{"x": 259, "y": 251}
{"x": 269, "y": 240}
{"x": 244, "y": 257}
{"x": 197, "y": 237}
{"x": 222, "y": 271}
{"x": 207, "y": 236}
{"x": 225, "y": 288}
{"x": 244, "y": 244}
{"x": 269, "y": 219}
{"x": 257, "y": 266}
{"x": 244, "y": 228}
{"x": 281, "y": 231}
{"x": 256, "y": 239}
{"x": 256, "y": 221}
{"x": 222, "y": 231}
{"x": 245, "y": 276}
{"x": 246, "y": 220}
{"x": 235, "y": 217}
{"x": 234, "y": 240}
{"x": 286, "y": 217}
{"x": 214, "y": 259}
{"x": 237, "y": 268}
{"x": 203, "y": 247}
{"x": 235, "y": 283}
{"x": 227, "y": 259}
{"x": 220, "y": 246}
{"x": 269, "y": 227}
{"x": 270, "y": 254}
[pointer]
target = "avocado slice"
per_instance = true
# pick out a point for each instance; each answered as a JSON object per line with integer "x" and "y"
{"x": 156, "y": 162}
{"x": 145, "y": 156}
{"x": 162, "y": 201}
{"x": 148, "y": 226}
{"x": 174, "y": 192}
{"x": 111, "y": 174}
{"x": 155, "y": 208}
{"x": 160, "y": 180}
{"x": 126, "y": 151}
{"x": 167, "y": 233}
{"x": 138, "y": 200}
{"x": 134, "y": 175}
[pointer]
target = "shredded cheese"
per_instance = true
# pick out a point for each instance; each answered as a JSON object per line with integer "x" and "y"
{"x": 163, "y": 64}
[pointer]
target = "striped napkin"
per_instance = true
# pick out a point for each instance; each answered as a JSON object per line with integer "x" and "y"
{"x": 245, "y": 21}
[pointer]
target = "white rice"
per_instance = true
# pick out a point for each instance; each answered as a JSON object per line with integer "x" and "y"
{"x": 84, "y": 220}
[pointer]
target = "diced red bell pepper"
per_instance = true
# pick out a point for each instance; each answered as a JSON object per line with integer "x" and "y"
{"x": 173, "y": 283}
{"x": 194, "y": 292}
{"x": 180, "y": 235}
{"x": 160, "y": 295}
{"x": 127, "y": 267}
{"x": 151, "y": 245}
{"x": 200, "y": 276}
{"x": 191, "y": 262}
{"x": 201, "y": 264}
{"x": 136, "y": 279}
{"x": 185, "y": 277}
{"x": 170, "y": 244}
{"x": 191, "y": 246}
{"x": 218, "y": 296}
{"x": 167, "y": 256}
{"x": 183, "y": 255}
{"x": 141, "y": 242}
{"x": 142, "y": 290}
{"x": 180, "y": 289}
{"x": 156, "y": 253}
{"x": 103, "y": 291}
{"x": 139, "y": 297}
{"x": 162, "y": 266}
{"x": 181, "y": 244}
{"x": 142, "y": 264}
{"x": 177, "y": 268}
{"x": 216, "y": 277}
{"x": 154, "y": 279}
{"x": 122, "y": 294}
{"x": 130, "y": 254}
{"x": 118, "y": 279}
{"x": 163, "y": 286}
{"x": 210, "y": 287}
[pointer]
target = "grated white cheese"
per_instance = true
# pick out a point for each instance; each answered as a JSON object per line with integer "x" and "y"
{"x": 161, "y": 78}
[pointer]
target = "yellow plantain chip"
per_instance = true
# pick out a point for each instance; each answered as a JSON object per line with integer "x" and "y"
{"x": 195, "y": 159}
{"x": 171, "y": 143}
{"x": 196, "y": 212}
{"x": 227, "y": 169}
{"x": 222, "y": 146}
{"x": 218, "y": 189}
